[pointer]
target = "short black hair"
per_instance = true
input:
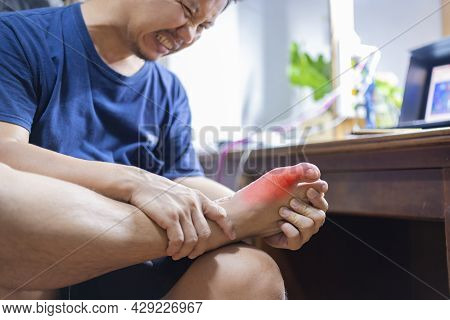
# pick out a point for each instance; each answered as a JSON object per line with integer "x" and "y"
{"x": 229, "y": 2}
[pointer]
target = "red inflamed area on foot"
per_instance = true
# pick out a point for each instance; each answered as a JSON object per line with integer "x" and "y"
{"x": 275, "y": 184}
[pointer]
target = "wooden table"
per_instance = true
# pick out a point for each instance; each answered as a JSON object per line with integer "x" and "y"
{"x": 388, "y": 229}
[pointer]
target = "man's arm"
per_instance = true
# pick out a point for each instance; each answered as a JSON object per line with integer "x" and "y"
{"x": 54, "y": 234}
{"x": 67, "y": 233}
{"x": 210, "y": 188}
{"x": 111, "y": 180}
{"x": 184, "y": 210}
{"x": 61, "y": 234}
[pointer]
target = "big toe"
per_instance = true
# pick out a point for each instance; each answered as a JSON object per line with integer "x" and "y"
{"x": 303, "y": 172}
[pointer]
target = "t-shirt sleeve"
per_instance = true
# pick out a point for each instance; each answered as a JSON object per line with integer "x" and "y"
{"x": 18, "y": 100}
{"x": 180, "y": 158}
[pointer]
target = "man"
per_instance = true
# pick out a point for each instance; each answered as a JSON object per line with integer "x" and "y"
{"x": 83, "y": 103}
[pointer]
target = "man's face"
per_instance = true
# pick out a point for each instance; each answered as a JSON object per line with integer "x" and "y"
{"x": 160, "y": 27}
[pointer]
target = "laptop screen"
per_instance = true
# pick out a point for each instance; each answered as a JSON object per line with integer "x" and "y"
{"x": 438, "y": 104}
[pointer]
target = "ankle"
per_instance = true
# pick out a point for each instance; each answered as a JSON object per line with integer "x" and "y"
{"x": 242, "y": 216}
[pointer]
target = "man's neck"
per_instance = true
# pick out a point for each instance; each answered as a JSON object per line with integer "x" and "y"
{"x": 108, "y": 33}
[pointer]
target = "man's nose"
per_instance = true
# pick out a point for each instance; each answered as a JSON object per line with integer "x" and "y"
{"x": 187, "y": 33}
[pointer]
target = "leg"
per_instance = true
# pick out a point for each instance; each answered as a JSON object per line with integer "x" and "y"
{"x": 232, "y": 272}
{"x": 54, "y": 234}
{"x": 29, "y": 295}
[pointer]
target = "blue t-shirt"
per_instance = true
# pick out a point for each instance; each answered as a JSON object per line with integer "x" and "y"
{"x": 54, "y": 84}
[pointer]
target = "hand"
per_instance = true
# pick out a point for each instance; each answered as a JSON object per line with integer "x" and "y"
{"x": 180, "y": 211}
{"x": 300, "y": 225}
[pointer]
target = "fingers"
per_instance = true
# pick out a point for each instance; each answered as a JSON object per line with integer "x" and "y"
{"x": 293, "y": 235}
{"x": 305, "y": 225}
{"x": 203, "y": 233}
{"x": 301, "y": 190}
{"x": 218, "y": 214}
{"x": 278, "y": 241}
{"x": 196, "y": 229}
{"x": 289, "y": 238}
{"x": 317, "y": 199}
{"x": 317, "y": 215}
{"x": 176, "y": 238}
{"x": 190, "y": 239}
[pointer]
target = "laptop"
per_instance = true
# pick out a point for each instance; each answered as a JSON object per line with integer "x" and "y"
{"x": 426, "y": 101}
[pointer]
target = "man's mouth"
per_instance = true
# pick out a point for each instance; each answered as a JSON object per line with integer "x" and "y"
{"x": 165, "y": 41}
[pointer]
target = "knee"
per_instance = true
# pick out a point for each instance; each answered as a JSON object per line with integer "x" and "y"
{"x": 248, "y": 273}
{"x": 260, "y": 275}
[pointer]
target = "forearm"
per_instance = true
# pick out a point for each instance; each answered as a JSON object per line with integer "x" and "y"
{"x": 111, "y": 180}
{"x": 46, "y": 222}
{"x": 59, "y": 234}
{"x": 208, "y": 187}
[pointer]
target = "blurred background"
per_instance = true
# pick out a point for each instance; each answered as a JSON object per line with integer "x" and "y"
{"x": 262, "y": 62}
{"x": 283, "y": 67}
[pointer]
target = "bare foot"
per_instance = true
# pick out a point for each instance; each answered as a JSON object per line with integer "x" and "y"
{"x": 256, "y": 207}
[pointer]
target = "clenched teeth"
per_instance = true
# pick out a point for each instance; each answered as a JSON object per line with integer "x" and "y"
{"x": 164, "y": 41}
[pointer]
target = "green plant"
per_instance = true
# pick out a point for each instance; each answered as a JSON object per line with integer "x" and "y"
{"x": 304, "y": 71}
{"x": 390, "y": 93}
